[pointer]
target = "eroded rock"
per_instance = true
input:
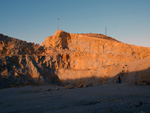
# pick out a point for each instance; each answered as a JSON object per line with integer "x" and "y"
{"x": 67, "y": 56}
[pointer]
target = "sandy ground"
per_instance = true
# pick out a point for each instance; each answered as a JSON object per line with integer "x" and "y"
{"x": 112, "y": 98}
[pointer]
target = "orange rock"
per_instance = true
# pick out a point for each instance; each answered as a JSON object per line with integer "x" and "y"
{"x": 94, "y": 52}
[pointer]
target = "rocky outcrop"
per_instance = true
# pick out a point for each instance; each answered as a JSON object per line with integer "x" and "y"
{"x": 23, "y": 70}
{"x": 10, "y": 46}
{"x": 88, "y": 55}
{"x": 67, "y": 57}
{"x": 94, "y": 44}
{"x": 59, "y": 40}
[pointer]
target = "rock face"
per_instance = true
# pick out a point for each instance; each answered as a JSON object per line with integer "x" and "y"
{"x": 24, "y": 63}
{"x": 92, "y": 55}
{"x": 23, "y": 70}
{"x": 67, "y": 57}
{"x": 11, "y": 46}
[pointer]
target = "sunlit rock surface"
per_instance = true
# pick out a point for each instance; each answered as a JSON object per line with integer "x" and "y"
{"x": 66, "y": 57}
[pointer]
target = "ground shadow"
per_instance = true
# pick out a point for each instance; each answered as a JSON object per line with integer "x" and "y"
{"x": 133, "y": 78}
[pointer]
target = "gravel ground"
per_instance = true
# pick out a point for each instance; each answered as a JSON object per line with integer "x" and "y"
{"x": 112, "y": 98}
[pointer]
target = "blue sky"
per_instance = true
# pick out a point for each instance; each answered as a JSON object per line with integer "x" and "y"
{"x": 33, "y": 20}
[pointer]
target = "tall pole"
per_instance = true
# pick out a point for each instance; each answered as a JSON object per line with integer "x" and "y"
{"x": 58, "y": 23}
{"x": 106, "y": 31}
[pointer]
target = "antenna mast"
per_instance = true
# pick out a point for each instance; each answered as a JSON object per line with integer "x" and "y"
{"x": 106, "y": 31}
{"x": 58, "y": 23}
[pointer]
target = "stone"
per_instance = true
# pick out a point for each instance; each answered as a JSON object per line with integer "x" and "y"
{"x": 69, "y": 86}
{"x": 80, "y": 84}
{"x": 67, "y": 56}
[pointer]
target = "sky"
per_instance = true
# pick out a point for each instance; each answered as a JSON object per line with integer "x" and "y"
{"x": 34, "y": 20}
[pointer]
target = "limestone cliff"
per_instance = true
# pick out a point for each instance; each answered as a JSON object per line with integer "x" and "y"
{"x": 91, "y": 55}
{"x": 66, "y": 57}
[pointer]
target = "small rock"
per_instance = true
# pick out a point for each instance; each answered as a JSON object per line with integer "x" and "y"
{"x": 69, "y": 86}
{"x": 57, "y": 88}
{"x": 49, "y": 89}
{"x": 80, "y": 84}
{"x": 85, "y": 85}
